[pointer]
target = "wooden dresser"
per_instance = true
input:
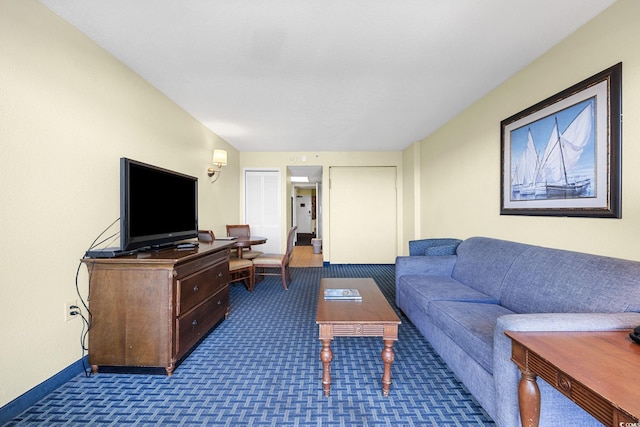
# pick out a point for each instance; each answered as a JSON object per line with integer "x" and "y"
{"x": 151, "y": 309}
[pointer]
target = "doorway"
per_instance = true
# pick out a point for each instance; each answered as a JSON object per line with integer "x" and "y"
{"x": 306, "y": 214}
{"x": 306, "y": 200}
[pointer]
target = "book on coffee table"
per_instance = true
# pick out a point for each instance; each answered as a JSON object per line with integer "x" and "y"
{"x": 342, "y": 294}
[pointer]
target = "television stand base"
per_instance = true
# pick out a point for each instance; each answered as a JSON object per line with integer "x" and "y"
{"x": 107, "y": 253}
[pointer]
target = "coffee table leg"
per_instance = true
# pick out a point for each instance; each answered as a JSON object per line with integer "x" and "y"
{"x": 529, "y": 399}
{"x": 326, "y": 355}
{"x": 387, "y": 358}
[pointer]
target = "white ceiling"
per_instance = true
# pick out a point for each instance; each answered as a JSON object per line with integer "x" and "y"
{"x": 326, "y": 75}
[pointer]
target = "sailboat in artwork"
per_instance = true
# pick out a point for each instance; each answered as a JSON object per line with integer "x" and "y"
{"x": 527, "y": 168}
{"x": 552, "y": 175}
{"x": 562, "y": 154}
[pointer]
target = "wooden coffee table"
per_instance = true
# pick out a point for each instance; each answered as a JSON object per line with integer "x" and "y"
{"x": 371, "y": 317}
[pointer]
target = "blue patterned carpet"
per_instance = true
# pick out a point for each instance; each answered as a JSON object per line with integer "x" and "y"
{"x": 261, "y": 367}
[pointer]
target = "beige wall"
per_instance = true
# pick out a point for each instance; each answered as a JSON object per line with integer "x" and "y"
{"x": 460, "y": 168}
{"x": 280, "y": 160}
{"x": 306, "y": 191}
{"x": 68, "y": 112}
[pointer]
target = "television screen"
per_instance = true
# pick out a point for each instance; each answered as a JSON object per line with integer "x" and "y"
{"x": 157, "y": 206}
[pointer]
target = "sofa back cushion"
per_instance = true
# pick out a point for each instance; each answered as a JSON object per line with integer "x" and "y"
{"x": 544, "y": 280}
{"x": 441, "y": 250}
{"x": 483, "y": 263}
{"x": 433, "y": 247}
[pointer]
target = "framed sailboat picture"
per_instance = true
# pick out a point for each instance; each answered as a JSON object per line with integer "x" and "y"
{"x": 561, "y": 157}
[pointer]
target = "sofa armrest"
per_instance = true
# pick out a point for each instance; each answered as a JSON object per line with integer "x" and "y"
{"x": 506, "y": 375}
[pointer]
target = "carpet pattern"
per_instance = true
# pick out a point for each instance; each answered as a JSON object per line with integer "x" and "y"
{"x": 261, "y": 367}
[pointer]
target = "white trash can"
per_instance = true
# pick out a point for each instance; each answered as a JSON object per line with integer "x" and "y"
{"x": 317, "y": 245}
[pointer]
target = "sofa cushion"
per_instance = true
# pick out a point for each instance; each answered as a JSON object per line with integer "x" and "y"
{"x": 419, "y": 247}
{"x": 440, "y": 250}
{"x": 483, "y": 263}
{"x": 425, "y": 289}
{"x": 471, "y": 325}
{"x": 544, "y": 280}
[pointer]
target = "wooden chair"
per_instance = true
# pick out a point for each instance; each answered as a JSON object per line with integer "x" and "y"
{"x": 206, "y": 236}
{"x": 242, "y": 230}
{"x": 276, "y": 261}
{"x": 240, "y": 269}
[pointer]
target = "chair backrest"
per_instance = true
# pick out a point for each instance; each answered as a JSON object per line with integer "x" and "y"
{"x": 238, "y": 230}
{"x": 290, "y": 238}
{"x": 206, "y": 236}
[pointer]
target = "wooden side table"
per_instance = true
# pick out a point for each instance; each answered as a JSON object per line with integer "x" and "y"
{"x": 600, "y": 371}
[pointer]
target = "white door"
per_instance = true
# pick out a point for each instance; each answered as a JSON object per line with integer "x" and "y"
{"x": 362, "y": 215}
{"x": 303, "y": 214}
{"x": 262, "y": 207}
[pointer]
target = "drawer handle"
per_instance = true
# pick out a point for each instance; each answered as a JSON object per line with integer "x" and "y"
{"x": 219, "y": 302}
{"x": 220, "y": 274}
{"x": 194, "y": 324}
{"x": 195, "y": 289}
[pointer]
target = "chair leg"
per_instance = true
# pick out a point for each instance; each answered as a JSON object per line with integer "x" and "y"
{"x": 245, "y": 276}
{"x": 258, "y": 274}
{"x": 284, "y": 277}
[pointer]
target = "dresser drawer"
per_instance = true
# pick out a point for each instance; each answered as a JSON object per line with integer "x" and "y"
{"x": 197, "y": 287}
{"x": 198, "y": 264}
{"x": 195, "y": 324}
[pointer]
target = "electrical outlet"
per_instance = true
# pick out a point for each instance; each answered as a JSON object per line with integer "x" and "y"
{"x": 68, "y": 309}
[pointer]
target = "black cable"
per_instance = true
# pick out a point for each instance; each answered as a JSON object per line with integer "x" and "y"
{"x": 83, "y": 337}
{"x": 93, "y": 245}
{"x": 86, "y": 325}
{"x": 83, "y": 340}
{"x": 113, "y": 236}
{"x": 87, "y": 321}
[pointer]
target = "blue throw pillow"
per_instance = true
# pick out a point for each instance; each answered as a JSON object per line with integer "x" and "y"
{"x": 441, "y": 250}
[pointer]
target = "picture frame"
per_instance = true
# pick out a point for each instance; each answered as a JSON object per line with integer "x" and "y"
{"x": 562, "y": 156}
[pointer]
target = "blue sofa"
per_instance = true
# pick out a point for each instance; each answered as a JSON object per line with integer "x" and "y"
{"x": 463, "y": 303}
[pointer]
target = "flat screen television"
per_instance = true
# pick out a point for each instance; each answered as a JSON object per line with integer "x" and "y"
{"x": 158, "y": 207}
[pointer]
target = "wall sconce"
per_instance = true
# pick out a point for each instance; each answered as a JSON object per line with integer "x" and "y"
{"x": 219, "y": 159}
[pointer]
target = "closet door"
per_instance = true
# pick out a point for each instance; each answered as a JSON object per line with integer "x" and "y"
{"x": 363, "y": 215}
{"x": 262, "y": 208}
